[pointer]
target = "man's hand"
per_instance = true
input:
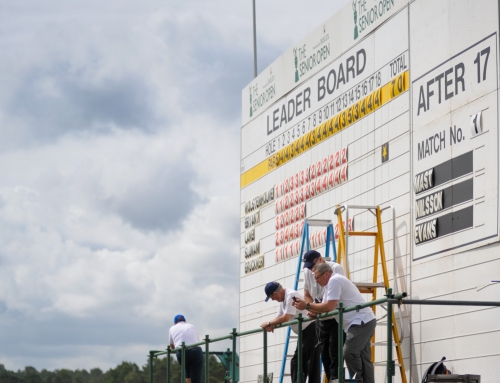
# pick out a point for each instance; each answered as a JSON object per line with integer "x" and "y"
{"x": 268, "y": 327}
{"x": 312, "y": 315}
{"x": 299, "y": 304}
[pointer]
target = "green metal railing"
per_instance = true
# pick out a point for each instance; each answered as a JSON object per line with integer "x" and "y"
{"x": 340, "y": 311}
{"x": 230, "y": 356}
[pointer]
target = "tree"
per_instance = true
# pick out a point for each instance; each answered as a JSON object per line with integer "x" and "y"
{"x": 47, "y": 376}
{"x": 133, "y": 377}
{"x": 126, "y": 372}
{"x": 217, "y": 371}
{"x": 63, "y": 376}
{"x": 96, "y": 375}
{"x": 118, "y": 374}
{"x": 31, "y": 375}
{"x": 7, "y": 376}
{"x": 81, "y": 376}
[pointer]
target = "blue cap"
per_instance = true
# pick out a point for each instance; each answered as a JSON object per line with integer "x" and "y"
{"x": 270, "y": 288}
{"x": 309, "y": 258}
{"x": 179, "y": 318}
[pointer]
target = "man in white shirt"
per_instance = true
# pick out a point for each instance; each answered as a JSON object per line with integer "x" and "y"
{"x": 358, "y": 325}
{"x": 328, "y": 328}
{"x": 286, "y": 313}
{"x": 185, "y": 332}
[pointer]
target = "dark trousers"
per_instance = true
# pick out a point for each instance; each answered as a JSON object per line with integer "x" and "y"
{"x": 194, "y": 363}
{"x": 329, "y": 334}
{"x": 310, "y": 357}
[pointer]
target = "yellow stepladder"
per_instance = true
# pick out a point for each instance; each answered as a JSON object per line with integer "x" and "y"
{"x": 371, "y": 288}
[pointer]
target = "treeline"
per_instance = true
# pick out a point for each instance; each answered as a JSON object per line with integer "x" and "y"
{"x": 126, "y": 372}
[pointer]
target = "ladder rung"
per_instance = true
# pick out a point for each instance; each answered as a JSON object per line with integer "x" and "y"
{"x": 367, "y": 288}
{"x": 384, "y": 323}
{"x": 365, "y": 291}
{"x": 301, "y": 279}
{"x": 290, "y": 356}
{"x": 286, "y": 375}
{"x": 364, "y": 233}
{"x": 384, "y": 343}
{"x": 294, "y": 337}
{"x": 318, "y": 222}
{"x": 385, "y": 364}
{"x": 369, "y": 285}
{"x": 381, "y": 343}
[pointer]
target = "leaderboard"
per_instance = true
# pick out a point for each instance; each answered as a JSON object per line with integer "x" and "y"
{"x": 455, "y": 152}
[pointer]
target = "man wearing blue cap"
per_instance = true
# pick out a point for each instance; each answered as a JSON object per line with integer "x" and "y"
{"x": 185, "y": 332}
{"x": 313, "y": 292}
{"x": 287, "y": 312}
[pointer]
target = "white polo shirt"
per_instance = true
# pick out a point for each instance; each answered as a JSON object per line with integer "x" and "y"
{"x": 183, "y": 332}
{"x": 341, "y": 289}
{"x": 286, "y": 307}
{"x": 310, "y": 284}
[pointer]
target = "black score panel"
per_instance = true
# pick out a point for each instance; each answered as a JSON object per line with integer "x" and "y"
{"x": 454, "y": 168}
{"x": 444, "y": 172}
{"x": 444, "y": 225}
{"x": 456, "y": 221}
{"x": 444, "y": 199}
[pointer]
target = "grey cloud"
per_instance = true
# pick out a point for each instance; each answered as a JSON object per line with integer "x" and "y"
{"x": 212, "y": 69}
{"x": 75, "y": 103}
{"x": 162, "y": 202}
{"x": 118, "y": 329}
{"x": 50, "y": 344}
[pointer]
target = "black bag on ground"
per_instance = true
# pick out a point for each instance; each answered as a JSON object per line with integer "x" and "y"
{"x": 436, "y": 368}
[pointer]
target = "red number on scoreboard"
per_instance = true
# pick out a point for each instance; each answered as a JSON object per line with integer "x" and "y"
{"x": 343, "y": 174}
{"x": 312, "y": 171}
{"x": 337, "y": 177}
{"x": 343, "y": 155}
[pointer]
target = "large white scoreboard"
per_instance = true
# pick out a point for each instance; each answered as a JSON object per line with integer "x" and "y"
{"x": 389, "y": 102}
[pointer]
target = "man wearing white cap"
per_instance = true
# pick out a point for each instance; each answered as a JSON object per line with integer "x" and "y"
{"x": 286, "y": 313}
{"x": 185, "y": 332}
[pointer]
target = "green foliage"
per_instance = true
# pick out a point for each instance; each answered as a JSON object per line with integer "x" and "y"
{"x": 125, "y": 372}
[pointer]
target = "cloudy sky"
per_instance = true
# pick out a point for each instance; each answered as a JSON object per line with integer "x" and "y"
{"x": 119, "y": 184}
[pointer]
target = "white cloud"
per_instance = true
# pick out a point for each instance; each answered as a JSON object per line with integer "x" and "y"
{"x": 119, "y": 139}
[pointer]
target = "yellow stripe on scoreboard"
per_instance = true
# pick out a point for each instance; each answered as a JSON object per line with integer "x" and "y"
{"x": 339, "y": 122}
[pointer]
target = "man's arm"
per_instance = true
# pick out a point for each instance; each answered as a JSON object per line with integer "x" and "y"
{"x": 308, "y": 297}
{"x": 269, "y": 326}
{"x": 171, "y": 339}
{"x": 308, "y": 275}
{"x": 319, "y": 308}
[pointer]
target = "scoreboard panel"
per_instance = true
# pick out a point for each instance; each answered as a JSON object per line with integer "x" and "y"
{"x": 389, "y": 103}
{"x": 454, "y": 118}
